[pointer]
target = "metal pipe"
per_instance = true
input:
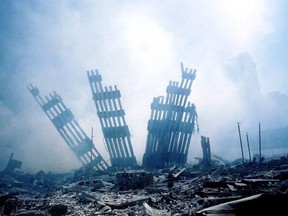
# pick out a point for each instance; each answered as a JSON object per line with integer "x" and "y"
{"x": 260, "y": 142}
{"x": 238, "y": 123}
{"x": 248, "y": 147}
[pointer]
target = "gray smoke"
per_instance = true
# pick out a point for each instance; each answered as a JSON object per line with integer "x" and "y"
{"x": 137, "y": 46}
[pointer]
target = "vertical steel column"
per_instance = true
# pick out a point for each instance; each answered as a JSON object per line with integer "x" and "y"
{"x": 205, "y": 144}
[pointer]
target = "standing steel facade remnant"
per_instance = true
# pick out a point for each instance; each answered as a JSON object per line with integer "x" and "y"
{"x": 111, "y": 116}
{"x": 12, "y": 164}
{"x": 171, "y": 124}
{"x": 205, "y": 144}
{"x": 64, "y": 121}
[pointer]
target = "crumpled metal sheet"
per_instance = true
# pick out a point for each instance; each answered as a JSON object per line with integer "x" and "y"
{"x": 259, "y": 204}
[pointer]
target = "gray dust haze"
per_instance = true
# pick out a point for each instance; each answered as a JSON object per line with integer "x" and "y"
{"x": 238, "y": 50}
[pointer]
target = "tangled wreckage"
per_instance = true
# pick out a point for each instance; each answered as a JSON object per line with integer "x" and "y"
{"x": 170, "y": 127}
{"x": 163, "y": 185}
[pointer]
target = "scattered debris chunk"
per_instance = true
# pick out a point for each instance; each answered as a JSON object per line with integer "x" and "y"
{"x": 133, "y": 180}
{"x": 155, "y": 212}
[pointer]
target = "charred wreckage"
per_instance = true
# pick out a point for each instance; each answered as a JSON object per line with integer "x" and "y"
{"x": 163, "y": 185}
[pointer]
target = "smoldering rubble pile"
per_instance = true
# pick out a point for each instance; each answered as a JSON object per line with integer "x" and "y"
{"x": 243, "y": 189}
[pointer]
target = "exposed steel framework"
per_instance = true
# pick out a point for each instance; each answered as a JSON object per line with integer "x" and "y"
{"x": 65, "y": 123}
{"x": 171, "y": 125}
{"x": 112, "y": 120}
{"x": 205, "y": 144}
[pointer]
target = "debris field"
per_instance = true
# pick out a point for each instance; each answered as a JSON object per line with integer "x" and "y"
{"x": 241, "y": 189}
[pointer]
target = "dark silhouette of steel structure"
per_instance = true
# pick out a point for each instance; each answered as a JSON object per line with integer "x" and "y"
{"x": 64, "y": 121}
{"x": 112, "y": 120}
{"x": 205, "y": 144}
{"x": 171, "y": 124}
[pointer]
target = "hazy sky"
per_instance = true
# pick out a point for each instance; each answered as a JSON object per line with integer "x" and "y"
{"x": 138, "y": 46}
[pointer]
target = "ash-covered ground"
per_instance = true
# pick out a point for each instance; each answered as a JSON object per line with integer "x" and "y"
{"x": 240, "y": 189}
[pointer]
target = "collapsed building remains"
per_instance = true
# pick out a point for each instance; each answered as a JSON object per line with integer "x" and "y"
{"x": 228, "y": 189}
{"x": 243, "y": 189}
{"x": 132, "y": 180}
{"x": 112, "y": 120}
{"x": 12, "y": 164}
{"x": 171, "y": 124}
{"x": 69, "y": 129}
{"x": 170, "y": 127}
{"x": 205, "y": 144}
